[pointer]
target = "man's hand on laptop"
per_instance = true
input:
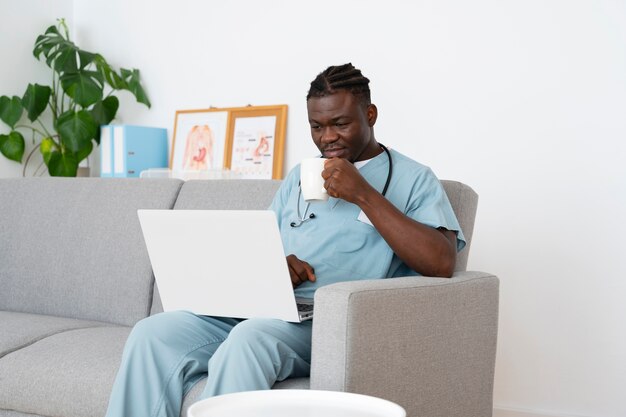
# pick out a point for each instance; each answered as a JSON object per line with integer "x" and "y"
{"x": 300, "y": 271}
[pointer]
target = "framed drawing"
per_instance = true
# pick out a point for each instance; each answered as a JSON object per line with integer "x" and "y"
{"x": 199, "y": 140}
{"x": 256, "y": 141}
{"x": 249, "y": 141}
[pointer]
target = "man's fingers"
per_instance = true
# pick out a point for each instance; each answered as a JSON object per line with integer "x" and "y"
{"x": 304, "y": 271}
{"x": 295, "y": 278}
{"x": 310, "y": 272}
{"x": 299, "y": 271}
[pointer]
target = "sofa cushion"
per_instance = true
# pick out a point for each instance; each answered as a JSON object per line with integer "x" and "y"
{"x": 69, "y": 374}
{"x": 22, "y": 329}
{"x": 74, "y": 248}
{"x": 227, "y": 194}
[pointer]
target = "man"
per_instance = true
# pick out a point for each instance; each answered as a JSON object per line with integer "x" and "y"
{"x": 388, "y": 216}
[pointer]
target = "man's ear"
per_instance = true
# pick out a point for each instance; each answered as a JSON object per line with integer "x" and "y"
{"x": 372, "y": 115}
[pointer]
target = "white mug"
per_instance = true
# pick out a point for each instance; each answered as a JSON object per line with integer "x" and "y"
{"x": 311, "y": 181}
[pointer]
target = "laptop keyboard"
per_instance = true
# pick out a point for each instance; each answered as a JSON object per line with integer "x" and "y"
{"x": 305, "y": 308}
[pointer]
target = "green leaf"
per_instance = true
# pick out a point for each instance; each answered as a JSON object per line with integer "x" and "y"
{"x": 104, "y": 112}
{"x": 76, "y": 129}
{"x": 46, "y": 147}
{"x": 35, "y": 100}
{"x": 85, "y": 87}
{"x": 85, "y": 57}
{"x": 10, "y": 110}
{"x": 47, "y": 41}
{"x": 64, "y": 58}
{"x": 12, "y": 146}
{"x": 131, "y": 77}
{"x": 60, "y": 52}
{"x": 115, "y": 81}
{"x": 62, "y": 164}
{"x": 52, "y": 29}
{"x": 84, "y": 151}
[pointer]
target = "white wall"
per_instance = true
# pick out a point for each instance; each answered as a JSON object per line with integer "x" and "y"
{"x": 523, "y": 100}
{"x": 22, "y": 22}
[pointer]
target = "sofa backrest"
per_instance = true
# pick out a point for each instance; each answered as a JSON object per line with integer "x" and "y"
{"x": 74, "y": 247}
{"x": 464, "y": 202}
{"x": 226, "y": 194}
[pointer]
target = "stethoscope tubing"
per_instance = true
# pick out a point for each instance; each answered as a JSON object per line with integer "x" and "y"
{"x": 302, "y": 219}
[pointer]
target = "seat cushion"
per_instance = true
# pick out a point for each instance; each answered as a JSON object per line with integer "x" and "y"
{"x": 68, "y": 374}
{"x": 18, "y": 330}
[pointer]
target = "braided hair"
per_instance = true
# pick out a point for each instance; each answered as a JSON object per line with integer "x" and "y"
{"x": 341, "y": 77}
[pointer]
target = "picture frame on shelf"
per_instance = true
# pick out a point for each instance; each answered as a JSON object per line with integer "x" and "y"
{"x": 199, "y": 140}
{"x": 256, "y": 141}
{"x": 248, "y": 141}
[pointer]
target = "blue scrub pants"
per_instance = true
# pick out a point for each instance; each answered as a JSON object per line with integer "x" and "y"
{"x": 166, "y": 354}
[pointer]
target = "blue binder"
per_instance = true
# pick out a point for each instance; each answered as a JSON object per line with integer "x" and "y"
{"x": 127, "y": 150}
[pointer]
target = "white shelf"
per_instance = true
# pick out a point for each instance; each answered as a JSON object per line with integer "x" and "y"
{"x": 213, "y": 174}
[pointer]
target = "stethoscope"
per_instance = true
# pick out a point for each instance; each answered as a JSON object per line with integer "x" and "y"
{"x": 304, "y": 218}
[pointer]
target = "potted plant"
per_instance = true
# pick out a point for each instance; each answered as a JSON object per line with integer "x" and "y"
{"x": 80, "y": 100}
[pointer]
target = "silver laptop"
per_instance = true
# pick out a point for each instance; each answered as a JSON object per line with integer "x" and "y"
{"x": 227, "y": 263}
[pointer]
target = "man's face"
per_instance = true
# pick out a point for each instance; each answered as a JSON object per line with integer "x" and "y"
{"x": 341, "y": 126}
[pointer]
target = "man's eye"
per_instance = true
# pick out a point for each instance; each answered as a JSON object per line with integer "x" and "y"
{"x": 315, "y": 127}
{"x": 341, "y": 124}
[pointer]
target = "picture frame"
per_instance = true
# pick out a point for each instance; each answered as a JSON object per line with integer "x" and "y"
{"x": 199, "y": 140}
{"x": 247, "y": 141}
{"x": 256, "y": 141}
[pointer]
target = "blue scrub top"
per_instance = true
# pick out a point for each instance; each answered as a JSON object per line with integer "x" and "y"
{"x": 340, "y": 246}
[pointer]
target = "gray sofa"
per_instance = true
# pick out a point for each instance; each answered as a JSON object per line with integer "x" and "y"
{"x": 75, "y": 277}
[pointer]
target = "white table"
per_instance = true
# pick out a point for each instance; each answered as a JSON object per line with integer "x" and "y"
{"x": 295, "y": 403}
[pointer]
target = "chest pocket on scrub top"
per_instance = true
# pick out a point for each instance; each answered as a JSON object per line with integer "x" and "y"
{"x": 361, "y": 252}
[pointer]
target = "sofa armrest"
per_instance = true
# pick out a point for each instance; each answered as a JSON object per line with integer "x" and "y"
{"x": 428, "y": 344}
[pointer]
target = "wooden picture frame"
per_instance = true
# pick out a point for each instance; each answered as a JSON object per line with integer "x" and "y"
{"x": 256, "y": 141}
{"x": 251, "y": 140}
{"x": 199, "y": 140}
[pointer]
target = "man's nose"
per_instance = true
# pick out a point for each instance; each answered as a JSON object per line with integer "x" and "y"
{"x": 329, "y": 135}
